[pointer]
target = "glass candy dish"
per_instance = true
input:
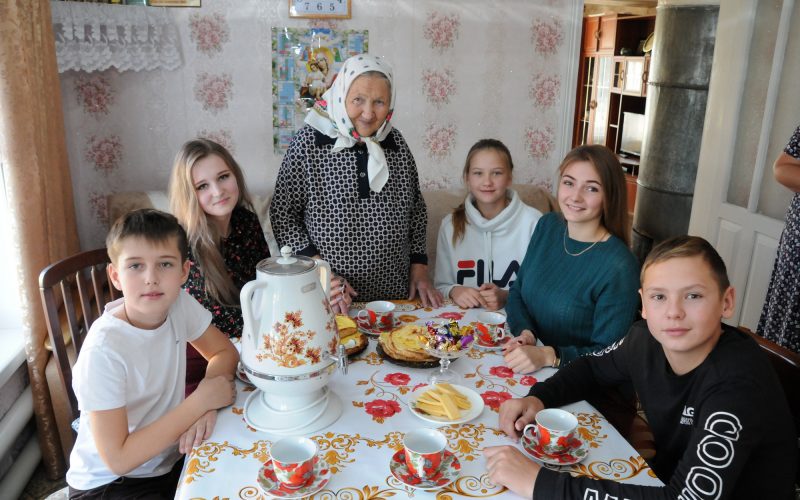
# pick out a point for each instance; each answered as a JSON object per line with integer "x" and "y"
{"x": 447, "y": 341}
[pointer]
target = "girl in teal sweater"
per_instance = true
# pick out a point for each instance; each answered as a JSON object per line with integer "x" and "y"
{"x": 577, "y": 288}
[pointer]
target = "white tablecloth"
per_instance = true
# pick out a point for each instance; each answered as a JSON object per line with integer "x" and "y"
{"x": 359, "y": 445}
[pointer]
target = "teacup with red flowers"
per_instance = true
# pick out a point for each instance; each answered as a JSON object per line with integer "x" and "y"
{"x": 490, "y": 327}
{"x": 293, "y": 461}
{"x": 424, "y": 450}
{"x": 376, "y": 314}
{"x": 555, "y": 431}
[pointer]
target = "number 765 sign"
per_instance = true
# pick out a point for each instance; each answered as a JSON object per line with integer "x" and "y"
{"x": 329, "y": 9}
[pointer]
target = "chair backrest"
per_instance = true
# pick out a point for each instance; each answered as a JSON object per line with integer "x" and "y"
{"x": 787, "y": 365}
{"x": 74, "y": 292}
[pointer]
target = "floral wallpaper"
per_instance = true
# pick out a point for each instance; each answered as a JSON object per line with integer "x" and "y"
{"x": 464, "y": 70}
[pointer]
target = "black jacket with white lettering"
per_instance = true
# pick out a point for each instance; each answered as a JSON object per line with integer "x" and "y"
{"x": 722, "y": 431}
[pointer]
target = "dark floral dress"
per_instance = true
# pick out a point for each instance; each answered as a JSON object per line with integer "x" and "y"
{"x": 242, "y": 250}
{"x": 780, "y": 318}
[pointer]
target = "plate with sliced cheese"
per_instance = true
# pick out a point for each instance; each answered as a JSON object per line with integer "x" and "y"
{"x": 447, "y": 404}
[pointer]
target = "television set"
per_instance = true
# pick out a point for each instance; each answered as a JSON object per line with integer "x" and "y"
{"x": 633, "y": 126}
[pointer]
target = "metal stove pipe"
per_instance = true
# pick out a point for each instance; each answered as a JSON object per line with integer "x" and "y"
{"x": 676, "y": 105}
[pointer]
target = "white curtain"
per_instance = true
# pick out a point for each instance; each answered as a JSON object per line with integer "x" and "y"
{"x": 95, "y": 37}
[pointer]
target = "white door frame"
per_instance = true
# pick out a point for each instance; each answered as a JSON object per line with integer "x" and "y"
{"x": 746, "y": 240}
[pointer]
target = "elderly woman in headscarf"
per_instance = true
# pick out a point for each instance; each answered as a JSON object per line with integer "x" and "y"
{"x": 348, "y": 192}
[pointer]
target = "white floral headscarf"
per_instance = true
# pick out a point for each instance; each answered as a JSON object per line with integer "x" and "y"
{"x": 329, "y": 116}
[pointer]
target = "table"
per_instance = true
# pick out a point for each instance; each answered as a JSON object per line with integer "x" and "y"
{"x": 357, "y": 447}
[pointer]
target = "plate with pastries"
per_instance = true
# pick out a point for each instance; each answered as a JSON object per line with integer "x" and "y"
{"x": 353, "y": 341}
{"x": 405, "y": 346}
{"x": 444, "y": 403}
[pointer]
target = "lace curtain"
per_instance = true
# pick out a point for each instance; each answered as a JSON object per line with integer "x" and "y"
{"x": 95, "y": 37}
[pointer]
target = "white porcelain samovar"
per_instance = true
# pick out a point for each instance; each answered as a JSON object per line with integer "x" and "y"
{"x": 290, "y": 346}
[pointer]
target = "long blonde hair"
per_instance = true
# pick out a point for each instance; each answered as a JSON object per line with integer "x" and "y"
{"x": 460, "y": 213}
{"x": 615, "y": 211}
{"x": 204, "y": 239}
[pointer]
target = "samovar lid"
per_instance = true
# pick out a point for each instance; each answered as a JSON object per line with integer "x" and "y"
{"x": 286, "y": 264}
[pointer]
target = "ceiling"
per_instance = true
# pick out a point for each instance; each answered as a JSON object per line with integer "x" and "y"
{"x": 635, "y": 7}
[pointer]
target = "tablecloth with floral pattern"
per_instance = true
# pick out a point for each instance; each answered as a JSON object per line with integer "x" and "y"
{"x": 359, "y": 445}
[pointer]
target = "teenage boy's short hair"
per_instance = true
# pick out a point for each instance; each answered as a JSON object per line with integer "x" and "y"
{"x": 153, "y": 225}
{"x": 689, "y": 246}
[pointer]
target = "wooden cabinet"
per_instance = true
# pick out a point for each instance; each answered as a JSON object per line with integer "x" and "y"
{"x": 595, "y": 100}
{"x": 606, "y": 41}
{"x": 599, "y": 34}
{"x": 635, "y": 77}
{"x": 612, "y": 85}
{"x": 591, "y": 34}
{"x": 630, "y": 75}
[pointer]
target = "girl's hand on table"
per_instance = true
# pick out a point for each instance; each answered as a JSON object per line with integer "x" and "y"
{"x": 508, "y": 467}
{"x": 420, "y": 284}
{"x": 341, "y": 295}
{"x": 529, "y": 358}
{"x": 526, "y": 337}
{"x": 197, "y": 433}
{"x": 493, "y": 296}
{"x": 467, "y": 297}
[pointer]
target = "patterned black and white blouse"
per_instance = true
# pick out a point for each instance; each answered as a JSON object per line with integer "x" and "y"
{"x": 322, "y": 204}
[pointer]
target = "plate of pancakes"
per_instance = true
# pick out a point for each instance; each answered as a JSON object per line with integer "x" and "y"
{"x": 405, "y": 346}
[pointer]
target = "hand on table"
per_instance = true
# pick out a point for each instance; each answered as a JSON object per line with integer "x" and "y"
{"x": 493, "y": 296}
{"x": 516, "y": 413}
{"x": 467, "y": 297}
{"x": 420, "y": 284}
{"x": 341, "y": 295}
{"x": 526, "y": 337}
{"x": 529, "y": 358}
{"x": 198, "y": 432}
{"x": 508, "y": 467}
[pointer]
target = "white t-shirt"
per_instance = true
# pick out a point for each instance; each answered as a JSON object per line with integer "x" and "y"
{"x": 142, "y": 370}
{"x": 492, "y": 249}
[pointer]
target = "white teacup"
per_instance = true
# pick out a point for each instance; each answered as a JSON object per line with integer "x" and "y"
{"x": 293, "y": 460}
{"x": 491, "y": 328}
{"x": 376, "y": 314}
{"x": 555, "y": 430}
{"x": 424, "y": 451}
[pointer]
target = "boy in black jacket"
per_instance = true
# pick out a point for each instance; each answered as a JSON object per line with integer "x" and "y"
{"x": 722, "y": 427}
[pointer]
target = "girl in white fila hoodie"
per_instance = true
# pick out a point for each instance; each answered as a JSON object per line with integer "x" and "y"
{"x": 482, "y": 243}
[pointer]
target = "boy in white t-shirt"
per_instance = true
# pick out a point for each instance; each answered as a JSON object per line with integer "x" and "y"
{"x": 130, "y": 374}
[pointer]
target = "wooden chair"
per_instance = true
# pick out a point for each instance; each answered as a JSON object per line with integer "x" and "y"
{"x": 74, "y": 292}
{"x": 787, "y": 365}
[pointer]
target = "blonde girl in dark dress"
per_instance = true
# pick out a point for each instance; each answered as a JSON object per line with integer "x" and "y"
{"x": 209, "y": 197}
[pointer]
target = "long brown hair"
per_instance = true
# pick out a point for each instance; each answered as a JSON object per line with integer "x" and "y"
{"x": 460, "y": 213}
{"x": 204, "y": 239}
{"x": 615, "y": 198}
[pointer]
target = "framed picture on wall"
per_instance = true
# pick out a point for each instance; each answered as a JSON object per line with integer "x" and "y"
{"x": 304, "y": 64}
{"x": 320, "y": 9}
{"x": 173, "y": 3}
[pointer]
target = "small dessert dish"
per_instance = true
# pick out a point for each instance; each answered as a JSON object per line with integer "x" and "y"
{"x": 353, "y": 341}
